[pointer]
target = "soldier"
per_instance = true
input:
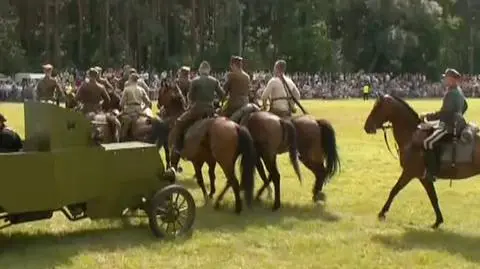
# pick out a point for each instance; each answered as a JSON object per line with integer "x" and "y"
{"x": 140, "y": 82}
{"x": 133, "y": 97}
{"x": 237, "y": 87}
{"x": 10, "y": 141}
{"x": 48, "y": 87}
{"x": 91, "y": 93}
{"x": 280, "y": 90}
{"x": 103, "y": 80}
{"x": 451, "y": 120}
{"x": 201, "y": 96}
{"x": 183, "y": 80}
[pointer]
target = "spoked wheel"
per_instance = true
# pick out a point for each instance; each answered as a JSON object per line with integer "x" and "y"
{"x": 172, "y": 212}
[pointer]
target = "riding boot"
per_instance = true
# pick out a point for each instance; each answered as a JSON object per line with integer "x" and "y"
{"x": 430, "y": 164}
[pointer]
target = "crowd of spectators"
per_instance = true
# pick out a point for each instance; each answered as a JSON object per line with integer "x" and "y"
{"x": 311, "y": 86}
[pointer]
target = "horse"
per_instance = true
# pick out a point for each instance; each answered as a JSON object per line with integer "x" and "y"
{"x": 10, "y": 141}
{"x": 315, "y": 141}
{"x": 405, "y": 124}
{"x": 105, "y": 123}
{"x": 212, "y": 140}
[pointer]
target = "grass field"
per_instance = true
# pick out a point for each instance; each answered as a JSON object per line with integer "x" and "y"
{"x": 344, "y": 233}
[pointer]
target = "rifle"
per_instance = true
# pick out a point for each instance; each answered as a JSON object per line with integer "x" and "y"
{"x": 289, "y": 91}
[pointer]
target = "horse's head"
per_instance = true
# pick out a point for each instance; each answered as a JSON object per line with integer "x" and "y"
{"x": 392, "y": 109}
{"x": 169, "y": 93}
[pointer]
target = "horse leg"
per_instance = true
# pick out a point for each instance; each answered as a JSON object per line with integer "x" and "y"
{"x": 198, "y": 175}
{"x": 271, "y": 163}
{"x": 401, "y": 183}
{"x": 231, "y": 181}
{"x": 319, "y": 171}
{"x": 211, "y": 174}
{"x": 432, "y": 195}
{"x": 167, "y": 153}
{"x": 263, "y": 176}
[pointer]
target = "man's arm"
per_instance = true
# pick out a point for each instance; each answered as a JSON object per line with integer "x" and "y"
{"x": 146, "y": 99}
{"x": 123, "y": 100}
{"x": 228, "y": 84}
{"x": 105, "y": 96}
{"x": 267, "y": 91}
{"x": 107, "y": 84}
{"x": 219, "y": 90}
{"x": 448, "y": 106}
{"x": 191, "y": 90}
{"x": 79, "y": 93}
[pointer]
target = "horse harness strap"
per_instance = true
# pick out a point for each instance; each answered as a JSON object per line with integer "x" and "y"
{"x": 384, "y": 129}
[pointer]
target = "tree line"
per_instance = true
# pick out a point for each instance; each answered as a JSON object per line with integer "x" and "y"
{"x": 397, "y": 36}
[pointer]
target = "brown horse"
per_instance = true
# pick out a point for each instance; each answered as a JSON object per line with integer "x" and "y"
{"x": 405, "y": 122}
{"x": 212, "y": 140}
{"x": 105, "y": 123}
{"x": 314, "y": 140}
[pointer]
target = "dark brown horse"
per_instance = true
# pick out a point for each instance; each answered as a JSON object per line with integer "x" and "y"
{"x": 212, "y": 140}
{"x": 315, "y": 142}
{"x": 405, "y": 123}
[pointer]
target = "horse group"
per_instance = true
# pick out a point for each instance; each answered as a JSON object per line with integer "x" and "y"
{"x": 259, "y": 136}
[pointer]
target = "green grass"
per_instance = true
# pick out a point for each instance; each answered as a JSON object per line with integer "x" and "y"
{"x": 342, "y": 234}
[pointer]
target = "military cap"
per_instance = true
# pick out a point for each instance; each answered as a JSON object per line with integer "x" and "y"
{"x": 92, "y": 72}
{"x": 134, "y": 76}
{"x": 2, "y": 118}
{"x": 99, "y": 69}
{"x": 451, "y": 73}
{"x": 236, "y": 59}
{"x": 132, "y": 70}
{"x": 47, "y": 67}
{"x": 185, "y": 68}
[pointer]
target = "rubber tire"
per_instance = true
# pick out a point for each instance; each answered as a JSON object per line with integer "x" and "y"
{"x": 159, "y": 197}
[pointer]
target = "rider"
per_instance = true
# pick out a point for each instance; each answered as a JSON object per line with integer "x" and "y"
{"x": 183, "y": 80}
{"x": 10, "y": 141}
{"x": 133, "y": 97}
{"x": 451, "y": 120}
{"x": 48, "y": 86}
{"x": 103, "y": 80}
{"x": 91, "y": 93}
{"x": 276, "y": 90}
{"x": 237, "y": 87}
{"x": 140, "y": 81}
{"x": 200, "y": 96}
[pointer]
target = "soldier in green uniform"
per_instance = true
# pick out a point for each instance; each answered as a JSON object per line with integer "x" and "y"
{"x": 450, "y": 117}
{"x": 183, "y": 80}
{"x": 201, "y": 96}
{"x": 237, "y": 87}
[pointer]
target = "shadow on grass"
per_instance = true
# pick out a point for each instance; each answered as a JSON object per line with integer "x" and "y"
{"x": 456, "y": 244}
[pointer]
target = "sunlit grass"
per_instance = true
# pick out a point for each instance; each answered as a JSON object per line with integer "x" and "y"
{"x": 343, "y": 234}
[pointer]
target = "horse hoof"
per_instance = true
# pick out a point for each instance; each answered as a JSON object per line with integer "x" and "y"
{"x": 180, "y": 169}
{"x": 436, "y": 225}
{"x": 216, "y": 206}
{"x": 275, "y": 208}
{"x": 381, "y": 217}
{"x": 319, "y": 197}
{"x": 238, "y": 210}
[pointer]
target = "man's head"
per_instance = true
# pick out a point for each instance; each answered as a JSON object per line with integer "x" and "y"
{"x": 204, "y": 68}
{"x": 132, "y": 71}
{"x": 2, "y": 121}
{"x": 92, "y": 73}
{"x": 451, "y": 77}
{"x": 184, "y": 71}
{"x": 236, "y": 63}
{"x": 134, "y": 77}
{"x": 280, "y": 67}
{"x": 47, "y": 69}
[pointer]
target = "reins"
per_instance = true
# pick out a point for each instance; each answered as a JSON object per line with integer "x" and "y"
{"x": 385, "y": 127}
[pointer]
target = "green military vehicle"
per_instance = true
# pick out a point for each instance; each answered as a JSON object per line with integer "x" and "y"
{"x": 62, "y": 169}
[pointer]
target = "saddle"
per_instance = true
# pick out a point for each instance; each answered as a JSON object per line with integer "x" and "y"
{"x": 241, "y": 115}
{"x": 459, "y": 149}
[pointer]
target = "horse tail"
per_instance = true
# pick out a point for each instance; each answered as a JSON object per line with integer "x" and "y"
{"x": 291, "y": 134}
{"x": 329, "y": 145}
{"x": 247, "y": 166}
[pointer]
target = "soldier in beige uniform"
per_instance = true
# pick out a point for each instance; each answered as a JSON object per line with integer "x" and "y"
{"x": 91, "y": 93}
{"x": 133, "y": 97}
{"x": 281, "y": 102}
{"x": 48, "y": 87}
{"x": 140, "y": 82}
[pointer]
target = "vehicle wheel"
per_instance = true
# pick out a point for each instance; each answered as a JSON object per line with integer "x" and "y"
{"x": 172, "y": 212}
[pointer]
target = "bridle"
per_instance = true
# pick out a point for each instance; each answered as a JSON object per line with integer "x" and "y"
{"x": 385, "y": 127}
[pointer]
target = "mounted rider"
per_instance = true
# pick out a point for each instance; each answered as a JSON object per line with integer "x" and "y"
{"x": 200, "y": 97}
{"x": 451, "y": 121}
{"x": 10, "y": 141}
{"x": 183, "y": 81}
{"x": 92, "y": 93}
{"x": 134, "y": 101}
{"x": 103, "y": 80}
{"x": 48, "y": 88}
{"x": 237, "y": 87}
{"x": 140, "y": 81}
{"x": 281, "y": 91}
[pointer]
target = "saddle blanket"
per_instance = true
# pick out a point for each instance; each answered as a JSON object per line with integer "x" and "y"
{"x": 465, "y": 147}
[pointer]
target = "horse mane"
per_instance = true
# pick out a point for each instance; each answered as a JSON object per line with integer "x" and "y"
{"x": 407, "y": 106}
